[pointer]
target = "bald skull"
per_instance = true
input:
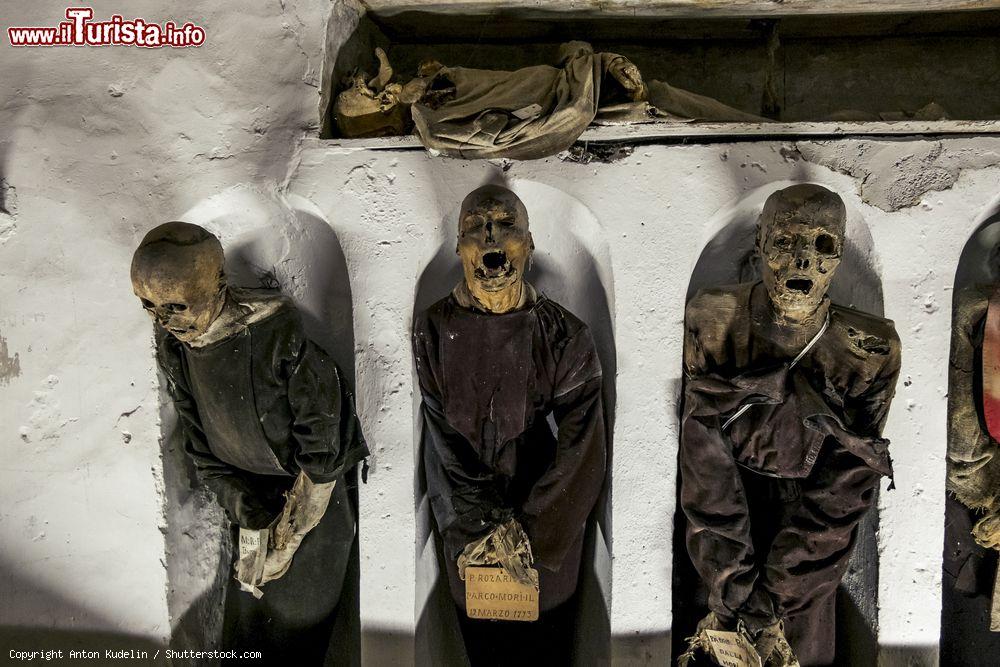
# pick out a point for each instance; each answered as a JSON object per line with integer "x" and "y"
{"x": 494, "y": 244}
{"x": 800, "y": 239}
{"x": 178, "y": 274}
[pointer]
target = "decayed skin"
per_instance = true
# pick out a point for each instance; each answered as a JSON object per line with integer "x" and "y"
{"x": 508, "y": 546}
{"x": 621, "y": 69}
{"x": 378, "y": 107}
{"x": 305, "y": 505}
{"x": 973, "y": 467}
{"x": 178, "y": 274}
{"x": 495, "y": 247}
{"x": 771, "y": 645}
{"x": 800, "y": 242}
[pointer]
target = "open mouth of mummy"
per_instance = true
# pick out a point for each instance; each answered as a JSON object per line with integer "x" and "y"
{"x": 495, "y": 266}
{"x": 799, "y": 285}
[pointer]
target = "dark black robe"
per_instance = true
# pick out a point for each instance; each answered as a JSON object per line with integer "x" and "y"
{"x": 773, "y": 502}
{"x": 255, "y": 409}
{"x": 489, "y": 384}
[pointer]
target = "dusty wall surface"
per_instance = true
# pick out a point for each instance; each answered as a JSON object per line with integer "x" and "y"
{"x": 97, "y": 145}
{"x": 100, "y": 144}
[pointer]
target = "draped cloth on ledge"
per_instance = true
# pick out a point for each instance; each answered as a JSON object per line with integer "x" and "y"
{"x": 539, "y": 111}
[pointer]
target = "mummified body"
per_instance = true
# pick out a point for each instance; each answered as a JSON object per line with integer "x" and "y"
{"x": 494, "y": 360}
{"x": 270, "y": 425}
{"x": 773, "y": 498}
{"x": 972, "y": 526}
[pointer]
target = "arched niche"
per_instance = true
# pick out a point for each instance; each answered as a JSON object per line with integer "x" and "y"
{"x": 571, "y": 265}
{"x": 729, "y": 257}
{"x": 968, "y": 571}
{"x": 285, "y": 244}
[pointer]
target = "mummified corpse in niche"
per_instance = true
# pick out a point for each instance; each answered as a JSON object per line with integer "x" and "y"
{"x": 270, "y": 425}
{"x": 781, "y": 451}
{"x": 494, "y": 359}
{"x": 972, "y": 527}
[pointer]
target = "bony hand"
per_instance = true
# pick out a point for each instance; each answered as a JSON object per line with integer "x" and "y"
{"x": 987, "y": 530}
{"x": 698, "y": 643}
{"x": 627, "y": 74}
{"x": 506, "y": 545}
{"x": 773, "y": 648}
{"x": 305, "y": 505}
{"x": 276, "y": 563}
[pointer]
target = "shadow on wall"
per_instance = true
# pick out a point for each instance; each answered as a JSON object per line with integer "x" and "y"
{"x": 572, "y": 266}
{"x": 968, "y": 569}
{"x": 286, "y": 245}
{"x": 47, "y": 601}
{"x": 729, "y": 257}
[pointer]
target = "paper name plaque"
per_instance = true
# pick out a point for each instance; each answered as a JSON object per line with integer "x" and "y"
{"x": 731, "y": 649}
{"x": 491, "y": 593}
{"x": 253, "y": 553}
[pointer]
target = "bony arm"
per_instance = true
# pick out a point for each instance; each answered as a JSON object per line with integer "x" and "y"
{"x": 305, "y": 505}
{"x": 506, "y": 545}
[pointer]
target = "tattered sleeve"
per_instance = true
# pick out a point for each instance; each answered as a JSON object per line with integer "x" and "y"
{"x": 234, "y": 492}
{"x": 325, "y": 426}
{"x": 463, "y": 497}
{"x": 712, "y": 494}
{"x": 973, "y": 467}
{"x": 557, "y": 508}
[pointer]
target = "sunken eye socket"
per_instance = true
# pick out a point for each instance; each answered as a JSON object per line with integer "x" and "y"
{"x": 472, "y": 222}
{"x": 783, "y": 242}
{"x": 826, "y": 244}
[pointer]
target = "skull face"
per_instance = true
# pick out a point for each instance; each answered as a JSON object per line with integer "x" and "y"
{"x": 801, "y": 241}
{"x": 177, "y": 273}
{"x": 494, "y": 242}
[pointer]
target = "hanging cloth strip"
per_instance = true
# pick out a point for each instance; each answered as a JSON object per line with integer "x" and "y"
{"x": 819, "y": 334}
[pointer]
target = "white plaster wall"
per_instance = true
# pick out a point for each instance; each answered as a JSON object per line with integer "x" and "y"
{"x": 99, "y": 145}
{"x": 659, "y": 207}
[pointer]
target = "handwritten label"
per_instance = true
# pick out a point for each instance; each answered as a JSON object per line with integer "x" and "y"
{"x": 731, "y": 649}
{"x": 250, "y": 566}
{"x": 491, "y": 593}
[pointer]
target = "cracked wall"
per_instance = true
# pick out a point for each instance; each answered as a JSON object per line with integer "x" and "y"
{"x": 896, "y": 174}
